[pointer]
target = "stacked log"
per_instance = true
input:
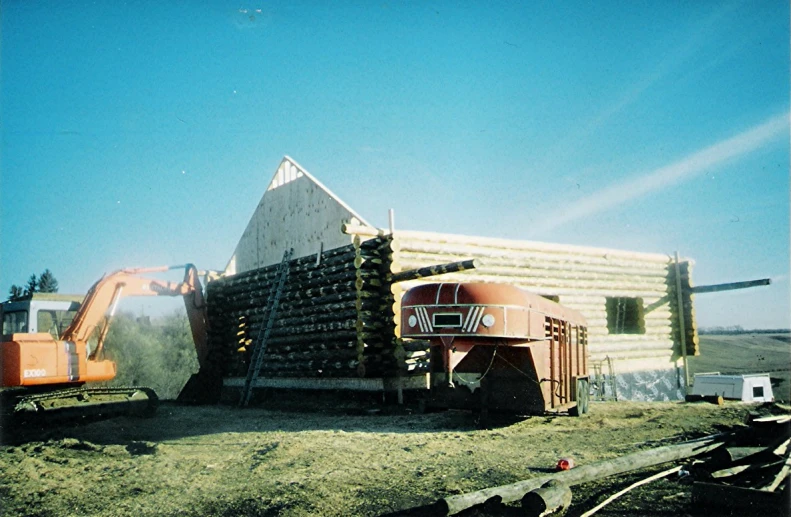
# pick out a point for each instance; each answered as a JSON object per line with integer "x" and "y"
{"x": 333, "y": 319}
{"x": 579, "y": 277}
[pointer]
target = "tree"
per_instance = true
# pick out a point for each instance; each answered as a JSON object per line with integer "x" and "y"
{"x": 47, "y": 283}
{"x": 16, "y": 293}
{"x": 161, "y": 356}
{"x": 32, "y": 286}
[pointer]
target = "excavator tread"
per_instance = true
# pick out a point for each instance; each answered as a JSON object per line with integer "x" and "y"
{"x": 78, "y": 403}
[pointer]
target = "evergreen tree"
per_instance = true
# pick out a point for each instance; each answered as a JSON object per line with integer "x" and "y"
{"x": 16, "y": 293}
{"x": 47, "y": 283}
{"x": 32, "y": 285}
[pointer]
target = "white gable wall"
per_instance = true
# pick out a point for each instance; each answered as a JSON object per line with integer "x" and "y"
{"x": 296, "y": 211}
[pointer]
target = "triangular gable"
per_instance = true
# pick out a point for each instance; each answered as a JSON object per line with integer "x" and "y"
{"x": 289, "y": 170}
{"x": 296, "y": 211}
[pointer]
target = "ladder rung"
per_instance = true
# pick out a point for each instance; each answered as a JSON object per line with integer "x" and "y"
{"x": 270, "y": 311}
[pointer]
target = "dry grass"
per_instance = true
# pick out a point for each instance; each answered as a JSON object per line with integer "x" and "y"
{"x": 226, "y": 461}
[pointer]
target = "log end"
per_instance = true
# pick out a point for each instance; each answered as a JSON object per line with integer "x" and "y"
{"x": 551, "y": 497}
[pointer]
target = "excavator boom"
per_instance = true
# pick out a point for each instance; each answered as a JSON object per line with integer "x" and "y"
{"x": 57, "y": 368}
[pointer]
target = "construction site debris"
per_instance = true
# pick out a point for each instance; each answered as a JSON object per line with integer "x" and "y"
{"x": 746, "y": 468}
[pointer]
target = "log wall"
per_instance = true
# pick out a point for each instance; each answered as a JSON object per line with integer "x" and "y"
{"x": 646, "y": 363}
{"x": 340, "y": 311}
{"x": 334, "y": 318}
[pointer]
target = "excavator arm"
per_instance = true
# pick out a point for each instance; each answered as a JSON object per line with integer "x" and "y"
{"x": 102, "y": 300}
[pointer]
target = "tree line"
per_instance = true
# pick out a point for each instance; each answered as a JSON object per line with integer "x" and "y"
{"x": 44, "y": 283}
{"x": 160, "y": 355}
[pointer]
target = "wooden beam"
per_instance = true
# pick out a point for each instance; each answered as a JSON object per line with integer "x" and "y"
{"x": 582, "y": 474}
{"x": 439, "y": 269}
{"x": 715, "y": 288}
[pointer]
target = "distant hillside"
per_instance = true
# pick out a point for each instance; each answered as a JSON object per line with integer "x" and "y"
{"x": 754, "y": 352}
{"x": 737, "y": 329}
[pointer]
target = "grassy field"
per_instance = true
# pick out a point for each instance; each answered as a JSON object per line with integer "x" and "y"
{"x": 748, "y": 353}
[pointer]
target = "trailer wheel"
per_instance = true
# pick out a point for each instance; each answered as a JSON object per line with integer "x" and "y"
{"x": 583, "y": 397}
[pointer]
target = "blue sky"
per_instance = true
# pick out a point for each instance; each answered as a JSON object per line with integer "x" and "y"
{"x": 144, "y": 133}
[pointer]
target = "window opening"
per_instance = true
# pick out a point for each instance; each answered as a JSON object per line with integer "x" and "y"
{"x": 625, "y": 315}
{"x": 14, "y": 322}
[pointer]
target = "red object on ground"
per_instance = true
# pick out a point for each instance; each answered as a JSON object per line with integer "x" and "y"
{"x": 565, "y": 464}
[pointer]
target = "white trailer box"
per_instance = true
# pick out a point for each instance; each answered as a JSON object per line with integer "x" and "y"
{"x": 755, "y": 387}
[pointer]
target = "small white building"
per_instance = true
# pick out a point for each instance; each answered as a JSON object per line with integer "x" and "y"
{"x": 755, "y": 387}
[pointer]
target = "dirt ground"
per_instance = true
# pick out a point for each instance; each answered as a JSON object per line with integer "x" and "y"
{"x": 357, "y": 458}
{"x": 306, "y": 454}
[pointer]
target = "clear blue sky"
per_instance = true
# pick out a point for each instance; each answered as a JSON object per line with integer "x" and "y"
{"x": 144, "y": 133}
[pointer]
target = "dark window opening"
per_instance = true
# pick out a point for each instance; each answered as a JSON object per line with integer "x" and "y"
{"x": 625, "y": 316}
{"x": 14, "y": 322}
{"x": 447, "y": 320}
{"x": 758, "y": 392}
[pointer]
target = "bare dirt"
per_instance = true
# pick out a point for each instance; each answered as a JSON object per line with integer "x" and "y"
{"x": 225, "y": 461}
{"x": 305, "y": 454}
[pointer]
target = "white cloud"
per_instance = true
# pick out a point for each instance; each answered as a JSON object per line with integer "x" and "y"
{"x": 682, "y": 170}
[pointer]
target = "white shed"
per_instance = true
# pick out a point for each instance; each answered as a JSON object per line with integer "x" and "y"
{"x": 755, "y": 387}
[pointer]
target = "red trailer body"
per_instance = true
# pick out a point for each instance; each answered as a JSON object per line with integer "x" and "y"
{"x": 499, "y": 347}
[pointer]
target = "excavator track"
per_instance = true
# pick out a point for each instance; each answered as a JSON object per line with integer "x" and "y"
{"x": 19, "y": 406}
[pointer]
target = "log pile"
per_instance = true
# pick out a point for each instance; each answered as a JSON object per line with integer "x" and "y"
{"x": 742, "y": 472}
{"x": 748, "y": 476}
{"x": 335, "y": 316}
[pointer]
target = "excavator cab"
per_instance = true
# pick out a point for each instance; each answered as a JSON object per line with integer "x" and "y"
{"x": 44, "y": 312}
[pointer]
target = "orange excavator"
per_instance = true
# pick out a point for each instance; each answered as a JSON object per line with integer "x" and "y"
{"x": 44, "y": 370}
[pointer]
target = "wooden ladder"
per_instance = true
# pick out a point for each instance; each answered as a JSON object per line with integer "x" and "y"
{"x": 259, "y": 347}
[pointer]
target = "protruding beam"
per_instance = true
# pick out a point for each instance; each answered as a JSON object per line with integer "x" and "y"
{"x": 439, "y": 269}
{"x": 714, "y": 288}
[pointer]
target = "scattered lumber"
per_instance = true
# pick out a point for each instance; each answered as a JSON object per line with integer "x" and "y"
{"x": 584, "y": 473}
{"x": 642, "y": 482}
{"x": 745, "y": 471}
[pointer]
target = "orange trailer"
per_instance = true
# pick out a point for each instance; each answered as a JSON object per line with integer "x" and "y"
{"x": 499, "y": 347}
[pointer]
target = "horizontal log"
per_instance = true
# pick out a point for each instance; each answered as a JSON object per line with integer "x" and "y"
{"x": 434, "y": 270}
{"x": 283, "y": 348}
{"x": 315, "y": 364}
{"x": 413, "y": 236}
{"x": 541, "y": 288}
{"x": 565, "y": 264}
{"x": 311, "y": 355}
{"x": 551, "y": 497}
{"x": 659, "y": 355}
{"x": 549, "y": 281}
{"x": 583, "y": 473}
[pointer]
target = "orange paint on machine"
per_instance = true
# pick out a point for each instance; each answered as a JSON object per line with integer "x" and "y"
{"x": 54, "y": 343}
